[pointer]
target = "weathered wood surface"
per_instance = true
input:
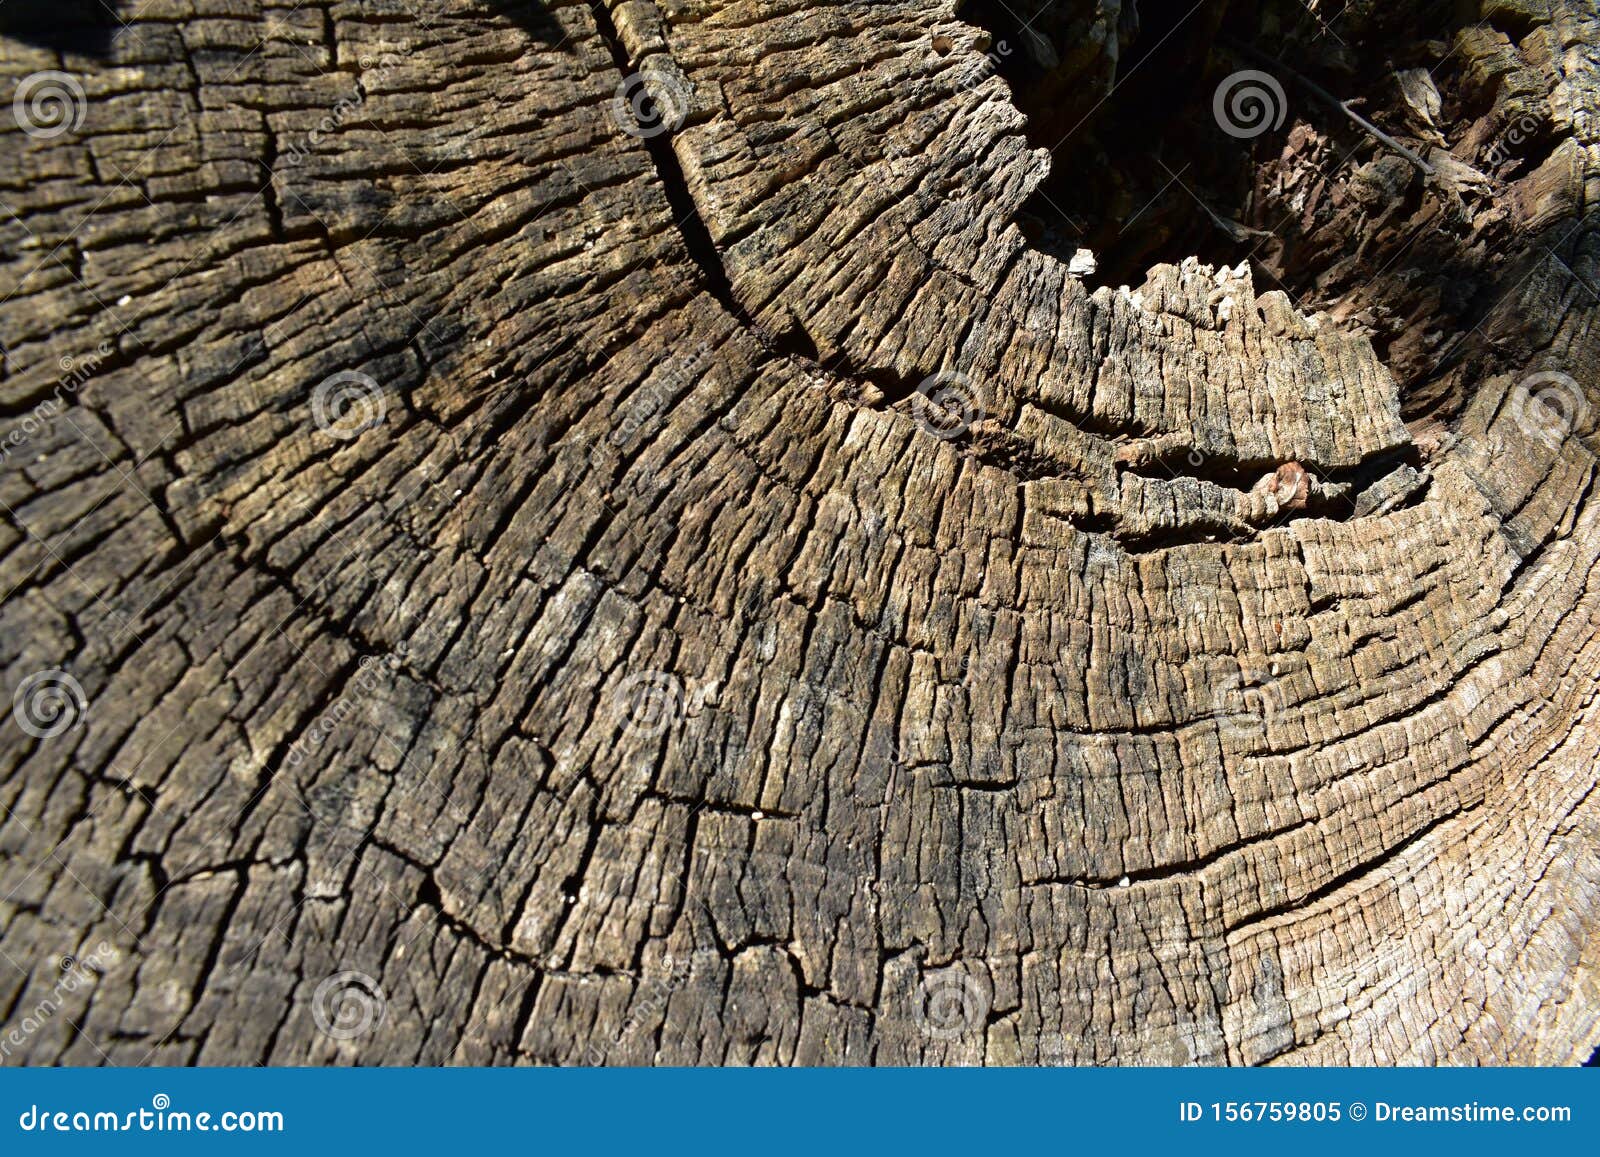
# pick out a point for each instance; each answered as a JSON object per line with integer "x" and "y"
{"x": 635, "y": 658}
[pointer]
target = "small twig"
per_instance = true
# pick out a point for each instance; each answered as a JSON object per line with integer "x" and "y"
{"x": 1328, "y": 98}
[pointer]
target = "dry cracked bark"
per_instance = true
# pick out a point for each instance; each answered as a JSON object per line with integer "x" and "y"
{"x": 509, "y": 585}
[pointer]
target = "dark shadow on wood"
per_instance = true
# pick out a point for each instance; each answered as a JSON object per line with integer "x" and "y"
{"x": 534, "y": 18}
{"x": 83, "y": 27}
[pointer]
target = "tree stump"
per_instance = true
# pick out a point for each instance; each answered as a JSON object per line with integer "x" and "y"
{"x": 572, "y": 533}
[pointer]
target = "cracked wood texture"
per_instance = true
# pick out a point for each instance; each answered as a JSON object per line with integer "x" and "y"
{"x": 633, "y": 659}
